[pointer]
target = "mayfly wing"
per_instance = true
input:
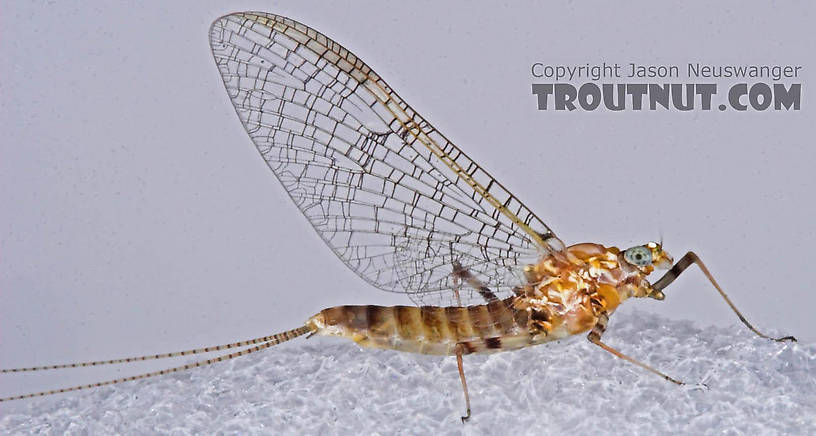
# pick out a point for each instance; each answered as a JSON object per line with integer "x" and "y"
{"x": 400, "y": 204}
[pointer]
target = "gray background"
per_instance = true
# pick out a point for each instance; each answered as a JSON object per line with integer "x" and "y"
{"x": 137, "y": 217}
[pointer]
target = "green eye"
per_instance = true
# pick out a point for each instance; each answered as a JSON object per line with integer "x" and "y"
{"x": 640, "y": 256}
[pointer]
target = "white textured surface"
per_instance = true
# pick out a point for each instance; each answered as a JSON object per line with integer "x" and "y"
{"x": 319, "y": 385}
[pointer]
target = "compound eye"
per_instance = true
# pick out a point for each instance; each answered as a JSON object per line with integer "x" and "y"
{"x": 640, "y": 256}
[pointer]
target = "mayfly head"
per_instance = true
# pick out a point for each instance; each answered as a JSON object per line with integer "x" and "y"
{"x": 646, "y": 258}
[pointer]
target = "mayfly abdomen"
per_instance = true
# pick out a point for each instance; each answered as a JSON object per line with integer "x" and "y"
{"x": 496, "y": 326}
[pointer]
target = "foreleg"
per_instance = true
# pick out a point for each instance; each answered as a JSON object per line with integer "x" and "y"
{"x": 691, "y": 258}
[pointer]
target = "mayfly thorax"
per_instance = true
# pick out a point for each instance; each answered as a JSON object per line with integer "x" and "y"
{"x": 409, "y": 212}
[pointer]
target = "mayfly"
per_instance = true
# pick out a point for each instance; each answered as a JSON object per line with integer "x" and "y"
{"x": 409, "y": 212}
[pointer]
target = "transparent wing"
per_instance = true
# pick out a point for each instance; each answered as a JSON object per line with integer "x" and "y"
{"x": 400, "y": 204}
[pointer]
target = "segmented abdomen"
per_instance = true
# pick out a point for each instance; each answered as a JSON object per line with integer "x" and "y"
{"x": 496, "y": 326}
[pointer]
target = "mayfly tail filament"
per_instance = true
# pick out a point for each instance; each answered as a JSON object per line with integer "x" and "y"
{"x": 264, "y": 343}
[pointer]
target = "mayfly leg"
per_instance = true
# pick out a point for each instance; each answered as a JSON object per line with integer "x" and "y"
{"x": 462, "y": 273}
{"x": 459, "y": 350}
{"x": 457, "y": 280}
{"x": 598, "y": 330}
{"x": 691, "y": 258}
{"x": 457, "y": 283}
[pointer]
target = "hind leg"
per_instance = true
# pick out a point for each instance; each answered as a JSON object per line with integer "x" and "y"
{"x": 459, "y": 351}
